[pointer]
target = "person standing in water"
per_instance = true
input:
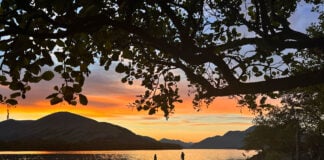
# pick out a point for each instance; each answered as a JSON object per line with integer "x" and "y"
{"x": 182, "y": 156}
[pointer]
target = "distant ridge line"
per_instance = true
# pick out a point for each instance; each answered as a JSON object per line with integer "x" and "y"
{"x": 69, "y": 131}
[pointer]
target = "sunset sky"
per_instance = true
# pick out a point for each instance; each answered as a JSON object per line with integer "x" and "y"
{"x": 109, "y": 99}
{"x": 108, "y": 102}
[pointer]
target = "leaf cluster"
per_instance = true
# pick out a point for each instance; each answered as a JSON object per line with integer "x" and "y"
{"x": 223, "y": 48}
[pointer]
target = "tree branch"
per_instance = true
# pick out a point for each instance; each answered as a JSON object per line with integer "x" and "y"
{"x": 301, "y": 80}
{"x": 175, "y": 20}
{"x": 275, "y": 44}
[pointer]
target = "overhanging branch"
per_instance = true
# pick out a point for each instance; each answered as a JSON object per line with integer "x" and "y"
{"x": 301, "y": 80}
{"x": 275, "y": 44}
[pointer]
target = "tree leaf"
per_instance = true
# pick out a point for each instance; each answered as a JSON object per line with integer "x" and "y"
{"x": 35, "y": 69}
{"x": 60, "y": 43}
{"x": 73, "y": 103}
{"x": 56, "y": 100}
{"x": 35, "y": 79}
{"x": 83, "y": 99}
{"x": 285, "y": 72}
{"x": 48, "y": 75}
{"x": 3, "y": 78}
{"x": 11, "y": 102}
{"x": 115, "y": 56}
{"x": 152, "y": 111}
{"x": 177, "y": 78}
{"x": 120, "y": 68}
{"x": 15, "y": 86}
{"x": 244, "y": 78}
{"x": 255, "y": 69}
{"x": 58, "y": 68}
{"x": 14, "y": 95}
{"x": 77, "y": 88}
{"x": 52, "y": 96}
{"x": 56, "y": 88}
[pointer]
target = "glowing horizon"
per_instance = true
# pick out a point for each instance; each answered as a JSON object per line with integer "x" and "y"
{"x": 185, "y": 124}
{"x": 108, "y": 99}
{"x": 108, "y": 102}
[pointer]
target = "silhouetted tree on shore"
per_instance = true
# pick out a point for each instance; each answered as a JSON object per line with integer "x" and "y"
{"x": 224, "y": 48}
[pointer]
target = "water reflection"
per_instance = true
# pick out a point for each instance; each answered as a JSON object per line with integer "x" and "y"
{"x": 190, "y": 154}
{"x": 66, "y": 157}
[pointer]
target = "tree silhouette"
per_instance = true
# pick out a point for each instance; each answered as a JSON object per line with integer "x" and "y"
{"x": 223, "y": 48}
{"x": 294, "y": 129}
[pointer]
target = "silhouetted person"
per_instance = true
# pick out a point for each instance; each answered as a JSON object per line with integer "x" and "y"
{"x": 182, "y": 156}
{"x": 155, "y": 158}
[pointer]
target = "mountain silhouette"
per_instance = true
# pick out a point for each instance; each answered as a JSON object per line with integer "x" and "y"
{"x": 68, "y": 131}
{"x": 230, "y": 140}
{"x": 178, "y": 142}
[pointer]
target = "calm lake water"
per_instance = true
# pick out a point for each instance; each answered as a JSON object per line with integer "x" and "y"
{"x": 190, "y": 154}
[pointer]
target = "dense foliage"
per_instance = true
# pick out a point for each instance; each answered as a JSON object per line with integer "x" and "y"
{"x": 294, "y": 130}
{"x": 223, "y": 48}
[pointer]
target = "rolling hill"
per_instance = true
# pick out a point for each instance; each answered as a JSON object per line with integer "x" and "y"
{"x": 230, "y": 140}
{"x": 178, "y": 142}
{"x": 67, "y": 131}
